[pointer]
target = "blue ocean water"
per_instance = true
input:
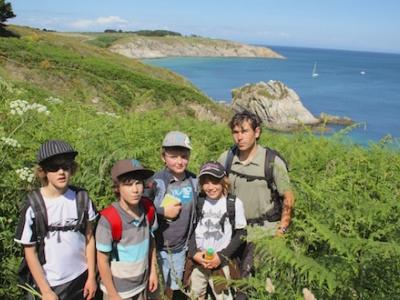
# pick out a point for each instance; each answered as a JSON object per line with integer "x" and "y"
{"x": 364, "y": 86}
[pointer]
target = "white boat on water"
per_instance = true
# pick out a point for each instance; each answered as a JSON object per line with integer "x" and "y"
{"x": 363, "y": 72}
{"x": 314, "y": 71}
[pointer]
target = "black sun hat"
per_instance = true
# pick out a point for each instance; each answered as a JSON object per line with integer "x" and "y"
{"x": 53, "y": 148}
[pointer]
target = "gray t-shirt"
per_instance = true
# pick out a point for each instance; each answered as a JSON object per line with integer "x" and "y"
{"x": 255, "y": 194}
{"x": 174, "y": 234}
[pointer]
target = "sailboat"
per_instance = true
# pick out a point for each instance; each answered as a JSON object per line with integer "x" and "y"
{"x": 314, "y": 71}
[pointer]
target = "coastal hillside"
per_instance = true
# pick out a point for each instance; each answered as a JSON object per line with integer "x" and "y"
{"x": 344, "y": 242}
{"x": 65, "y": 65}
{"x": 136, "y": 46}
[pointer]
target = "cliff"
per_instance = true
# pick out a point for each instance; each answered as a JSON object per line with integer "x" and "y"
{"x": 156, "y": 47}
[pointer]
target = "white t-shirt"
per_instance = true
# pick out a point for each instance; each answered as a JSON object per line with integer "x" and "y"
{"x": 209, "y": 233}
{"x": 64, "y": 250}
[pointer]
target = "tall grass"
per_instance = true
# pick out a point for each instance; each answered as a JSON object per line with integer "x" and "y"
{"x": 344, "y": 240}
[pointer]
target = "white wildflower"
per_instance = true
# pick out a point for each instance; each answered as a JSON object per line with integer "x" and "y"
{"x": 19, "y": 107}
{"x": 54, "y": 100}
{"x": 25, "y": 174}
{"x": 106, "y": 113}
{"x": 269, "y": 287}
{"x": 308, "y": 295}
{"x": 10, "y": 142}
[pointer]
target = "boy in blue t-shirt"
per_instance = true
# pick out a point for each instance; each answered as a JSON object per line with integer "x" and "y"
{"x": 174, "y": 191}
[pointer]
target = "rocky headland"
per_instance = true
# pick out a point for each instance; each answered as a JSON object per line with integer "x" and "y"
{"x": 157, "y": 47}
{"x": 279, "y": 106}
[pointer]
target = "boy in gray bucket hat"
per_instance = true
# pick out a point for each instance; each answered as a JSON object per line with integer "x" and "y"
{"x": 56, "y": 231}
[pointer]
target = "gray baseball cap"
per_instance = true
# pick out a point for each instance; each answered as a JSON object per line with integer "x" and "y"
{"x": 134, "y": 166}
{"x": 177, "y": 139}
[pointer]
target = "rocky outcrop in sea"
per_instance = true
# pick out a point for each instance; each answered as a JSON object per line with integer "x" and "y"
{"x": 278, "y": 106}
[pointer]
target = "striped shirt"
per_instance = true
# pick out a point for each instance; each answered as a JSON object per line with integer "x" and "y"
{"x": 130, "y": 273}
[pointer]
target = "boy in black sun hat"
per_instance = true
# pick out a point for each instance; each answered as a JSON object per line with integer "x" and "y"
{"x": 56, "y": 231}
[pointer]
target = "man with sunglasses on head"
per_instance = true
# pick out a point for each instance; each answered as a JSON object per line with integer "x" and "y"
{"x": 55, "y": 228}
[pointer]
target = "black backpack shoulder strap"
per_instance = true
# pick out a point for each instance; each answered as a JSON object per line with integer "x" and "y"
{"x": 82, "y": 208}
{"x": 36, "y": 201}
{"x": 231, "y": 209}
{"x": 229, "y": 158}
{"x": 269, "y": 166}
{"x": 199, "y": 206}
{"x": 270, "y": 155}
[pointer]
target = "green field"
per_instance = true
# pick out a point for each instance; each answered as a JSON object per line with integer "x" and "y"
{"x": 344, "y": 240}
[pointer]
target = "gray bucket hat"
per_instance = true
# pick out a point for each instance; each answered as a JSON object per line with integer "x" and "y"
{"x": 52, "y": 148}
{"x": 177, "y": 139}
{"x": 125, "y": 166}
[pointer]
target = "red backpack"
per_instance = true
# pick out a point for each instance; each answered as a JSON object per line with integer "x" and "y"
{"x": 112, "y": 216}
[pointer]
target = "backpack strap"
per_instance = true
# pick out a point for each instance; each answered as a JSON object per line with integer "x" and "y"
{"x": 230, "y": 213}
{"x": 231, "y": 209}
{"x": 270, "y": 155}
{"x": 269, "y": 166}
{"x": 199, "y": 206}
{"x": 82, "y": 207}
{"x": 111, "y": 214}
{"x": 229, "y": 159}
{"x": 149, "y": 210}
{"x": 36, "y": 201}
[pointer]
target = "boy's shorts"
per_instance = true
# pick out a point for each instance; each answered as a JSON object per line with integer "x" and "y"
{"x": 72, "y": 290}
{"x": 173, "y": 265}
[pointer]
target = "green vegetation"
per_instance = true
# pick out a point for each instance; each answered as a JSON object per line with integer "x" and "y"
{"x": 106, "y": 40}
{"x": 64, "y": 65}
{"x": 345, "y": 236}
{"x": 157, "y": 33}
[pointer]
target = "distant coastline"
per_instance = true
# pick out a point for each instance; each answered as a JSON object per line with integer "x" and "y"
{"x": 171, "y": 46}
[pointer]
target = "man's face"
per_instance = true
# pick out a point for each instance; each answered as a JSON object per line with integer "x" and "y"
{"x": 244, "y": 136}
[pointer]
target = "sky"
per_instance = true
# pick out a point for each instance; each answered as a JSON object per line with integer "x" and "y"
{"x": 366, "y": 25}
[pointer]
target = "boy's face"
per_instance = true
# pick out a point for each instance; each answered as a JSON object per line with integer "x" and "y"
{"x": 58, "y": 172}
{"x": 131, "y": 191}
{"x": 245, "y": 136}
{"x": 176, "y": 160}
{"x": 212, "y": 187}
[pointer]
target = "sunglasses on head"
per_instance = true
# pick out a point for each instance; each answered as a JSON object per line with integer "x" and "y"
{"x": 55, "y": 166}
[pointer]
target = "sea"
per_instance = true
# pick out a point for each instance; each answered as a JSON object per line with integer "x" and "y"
{"x": 363, "y": 86}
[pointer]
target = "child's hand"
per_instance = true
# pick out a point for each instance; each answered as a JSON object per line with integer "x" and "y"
{"x": 50, "y": 295}
{"x": 172, "y": 211}
{"x": 213, "y": 263}
{"x": 153, "y": 282}
{"x": 199, "y": 258}
{"x": 90, "y": 288}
